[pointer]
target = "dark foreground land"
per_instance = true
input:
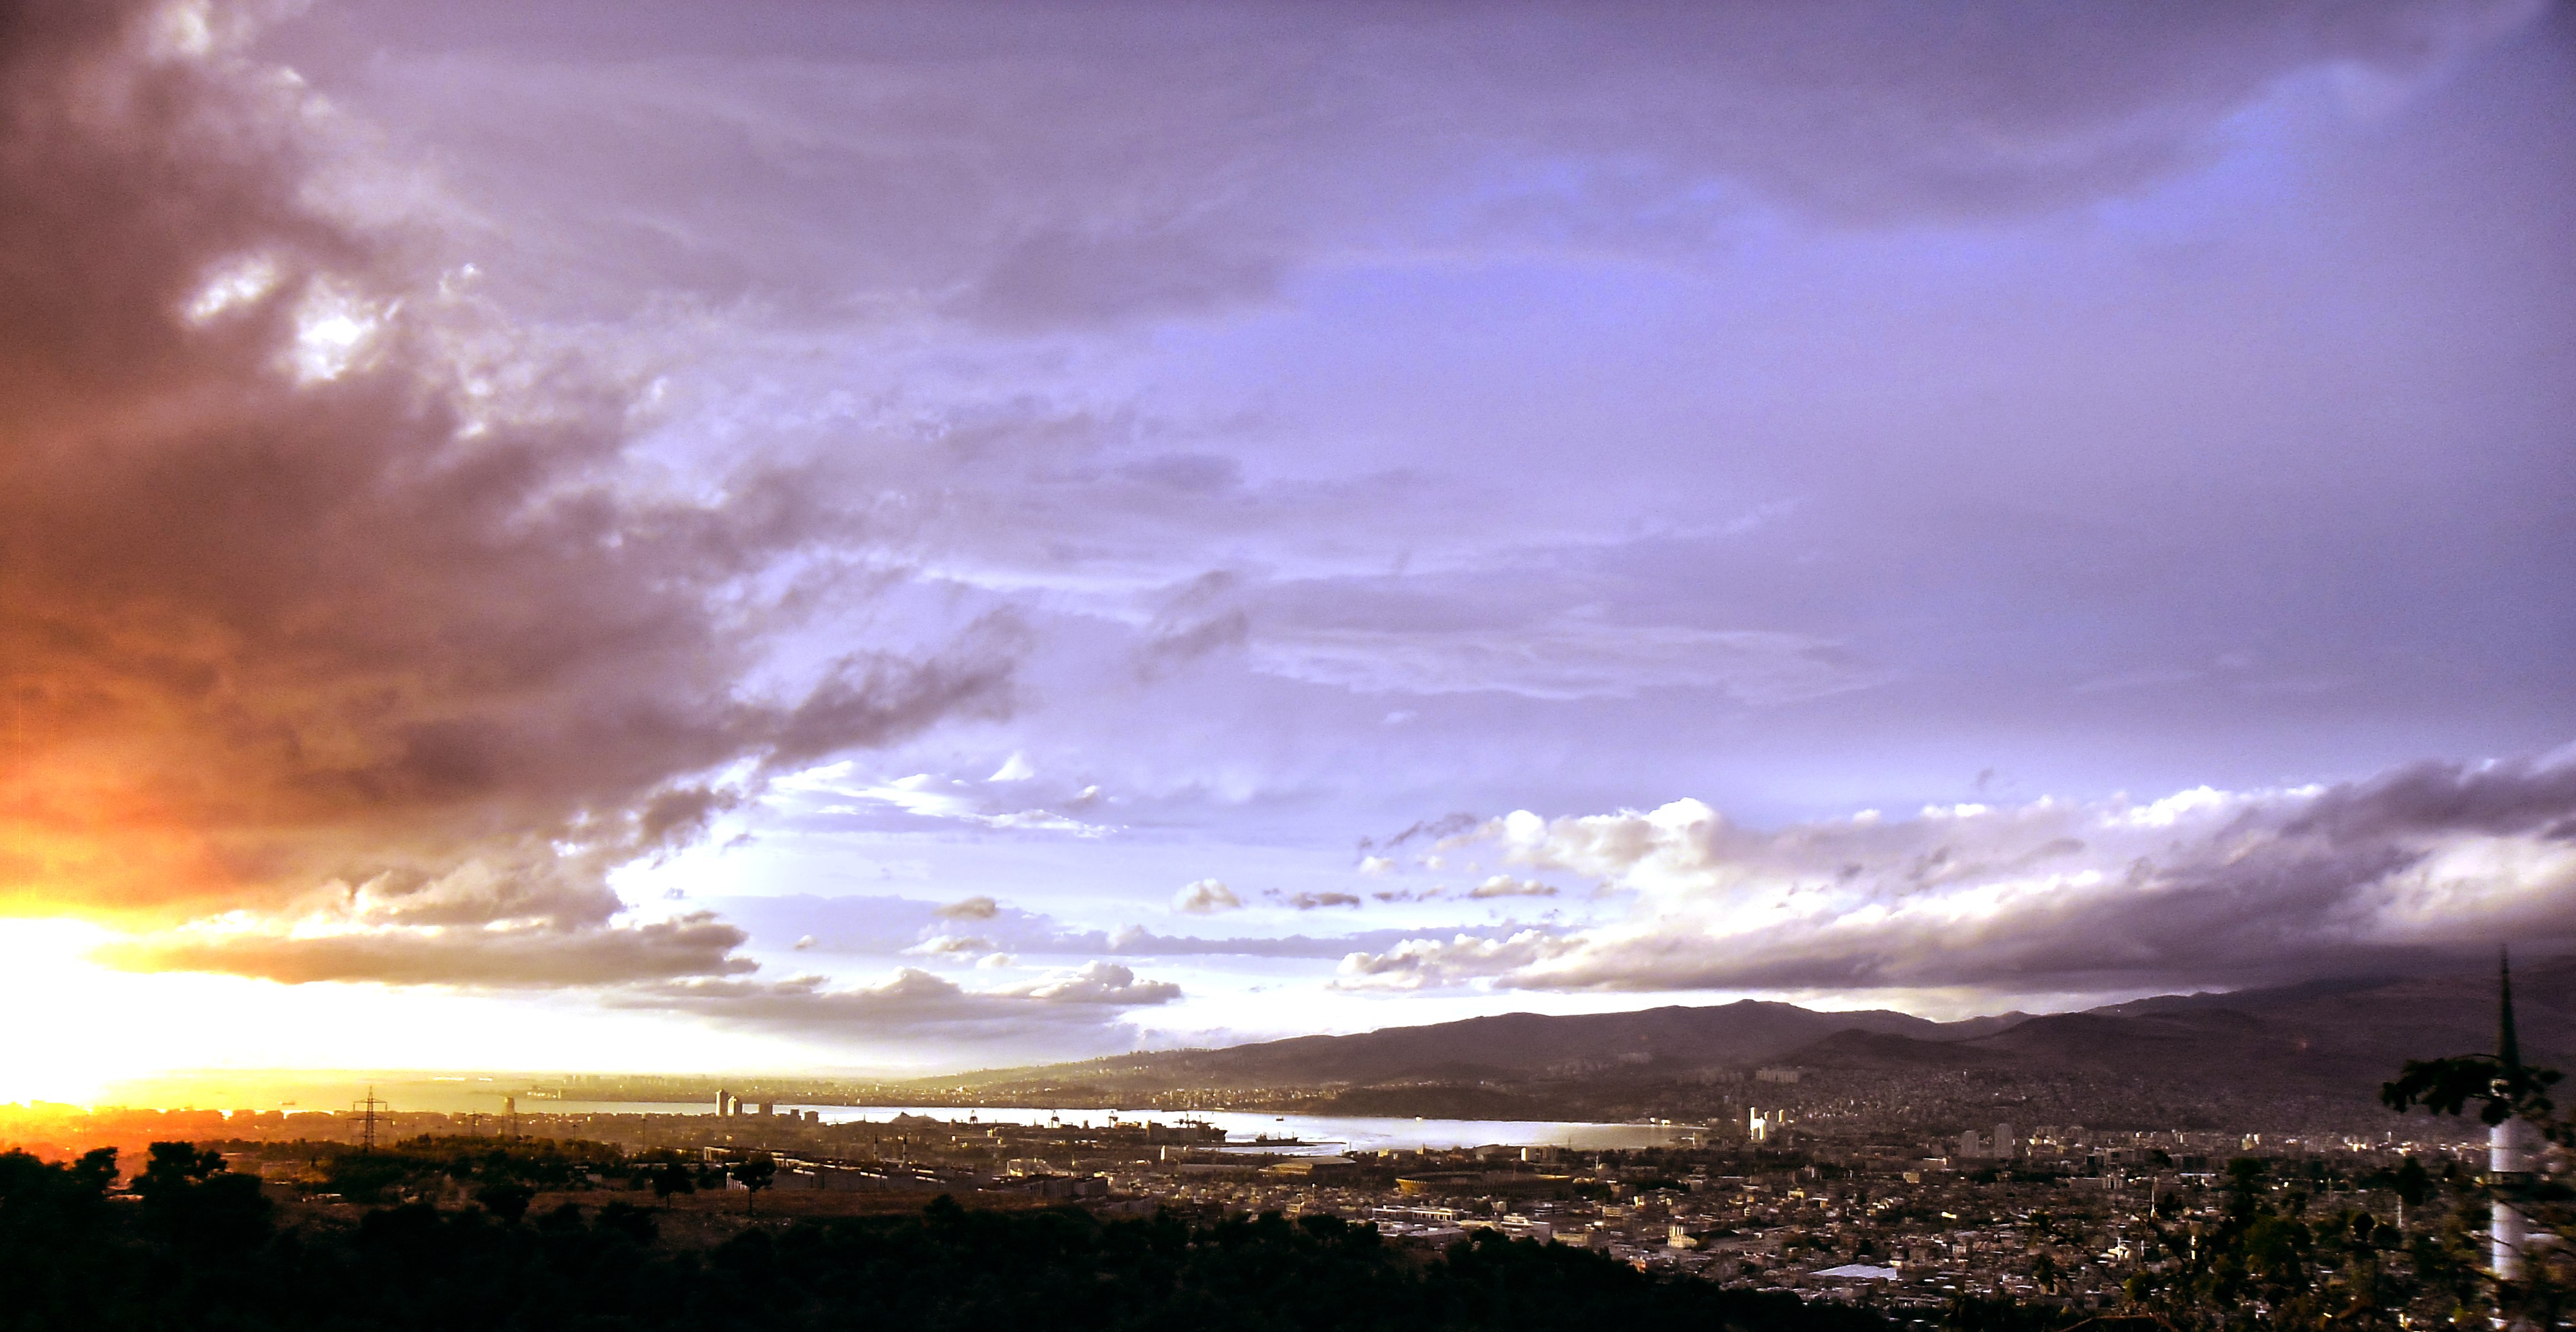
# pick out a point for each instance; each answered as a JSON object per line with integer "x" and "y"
{"x": 190, "y": 1245}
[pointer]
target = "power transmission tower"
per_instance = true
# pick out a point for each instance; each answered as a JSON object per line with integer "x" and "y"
{"x": 371, "y": 1105}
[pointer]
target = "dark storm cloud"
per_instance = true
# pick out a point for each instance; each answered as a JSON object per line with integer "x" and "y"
{"x": 2204, "y": 888}
{"x": 312, "y": 607}
{"x": 2518, "y": 798}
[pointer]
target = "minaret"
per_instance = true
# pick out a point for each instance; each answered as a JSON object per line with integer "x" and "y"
{"x": 2509, "y": 1144}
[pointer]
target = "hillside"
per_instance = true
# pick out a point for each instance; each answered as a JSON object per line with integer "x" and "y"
{"x": 1509, "y": 1047}
{"x": 2338, "y": 1037}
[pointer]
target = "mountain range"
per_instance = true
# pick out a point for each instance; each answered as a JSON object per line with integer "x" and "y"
{"x": 2336, "y": 1036}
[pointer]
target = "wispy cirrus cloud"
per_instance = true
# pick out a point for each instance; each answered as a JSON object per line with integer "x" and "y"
{"x": 835, "y": 789}
{"x": 891, "y": 927}
{"x": 1073, "y": 1010}
{"x": 1565, "y": 660}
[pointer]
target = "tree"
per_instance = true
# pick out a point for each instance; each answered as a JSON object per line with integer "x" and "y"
{"x": 2502, "y": 1085}
{"x": 506, "y": 1201}
{"x": 2504, "y": 1090}
{"x": 70, "y": 1259}
{"x": 756, "y": 1172}
{"x": 173, "y": 1166}
{"x": 189, "y": 1197}
{"x": 2414, "y": 1188}
{"x": 629, "y": 1220}
{"x": 673, "y": 1177}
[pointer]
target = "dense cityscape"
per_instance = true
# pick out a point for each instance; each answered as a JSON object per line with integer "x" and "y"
{"x": 1825, "y": 1200}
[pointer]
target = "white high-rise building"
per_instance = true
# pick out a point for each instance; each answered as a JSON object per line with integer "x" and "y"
{"x": 2510, "y": 1147}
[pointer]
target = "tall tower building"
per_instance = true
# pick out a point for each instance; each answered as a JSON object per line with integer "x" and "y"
{"x": 2510, "y": 1146}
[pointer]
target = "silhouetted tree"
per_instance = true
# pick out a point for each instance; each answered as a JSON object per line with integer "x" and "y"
{"x": 755, "y": 1172}
{"x": 190, "y": 1198}
{"x": 673, "y": 1177}
{"x": 506, "y": 1201}
{"x": 70, "y": 1259}
{"x": 2413, "y": 1186}
{"x": 629, "y": 1220}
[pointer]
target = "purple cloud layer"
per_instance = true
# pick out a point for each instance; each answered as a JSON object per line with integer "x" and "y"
{"x": 1102, "y": 459}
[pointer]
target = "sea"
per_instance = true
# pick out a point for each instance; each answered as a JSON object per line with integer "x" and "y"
{"x": 1245, "y": 1130}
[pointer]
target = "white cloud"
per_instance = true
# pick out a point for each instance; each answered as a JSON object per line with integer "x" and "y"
{"x": 2202, "y": 887}
{"x": 530, "y": 921}
{"x": 1417, "y": 963}
{"x": 240, "y": 283}
{"x": 949, "y": 945}
{"x": 1504, "y": 885}
{"x": 1099, "y": 983}
{"x": 1206, "y": 897}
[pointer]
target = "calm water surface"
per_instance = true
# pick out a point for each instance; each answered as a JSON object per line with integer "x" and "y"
{"x": 487, "y": 1096}
{"x": 1314, "y": 1134}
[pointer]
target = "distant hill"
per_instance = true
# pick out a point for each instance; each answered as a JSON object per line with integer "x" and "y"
{"x": 1512, "y": 1047}
{"x": 2343, "y": 1034}
{"x": 2184, "y": 1047}
{"x": 2340, "y": 1035}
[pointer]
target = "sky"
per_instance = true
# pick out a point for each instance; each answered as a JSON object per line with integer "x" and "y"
{"x": 898, "y": 538}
